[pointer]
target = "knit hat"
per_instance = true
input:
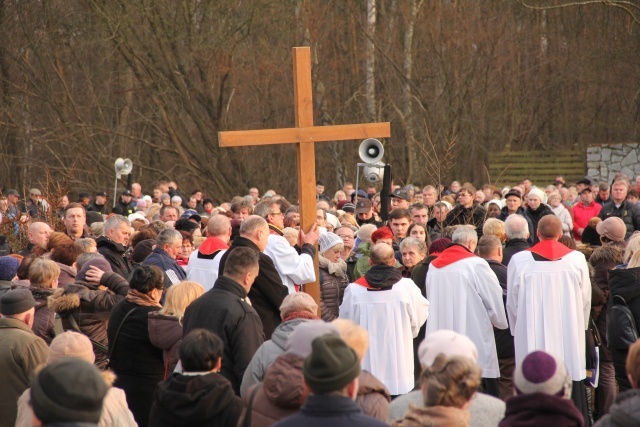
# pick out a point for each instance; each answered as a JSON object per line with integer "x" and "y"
{"x": 439, "y": 245}
{"x": 99, "y": 262}
{"x": 16, "y": 301}
{"x": 448, "y": 343}
{"x": 8, "y": 267}
{"x": 71, "y": 344}
{"x": 331, "y": 365}
{"x": 541, "y": 372}
{"x": 328, "y": 240}
{"x": 349, "y": 208}
{"x": 142, "y": 250}
{"x": 141, "y": 204}
{"x": 381, "y": 233}
{"x": 613, "y": 228}
{"x": 297, "y": 302}
{"x": 333, "y": 220}
{"x": 539, "y": 194}
{"x": 299, "y": 342}
{"x": 68, "y": 390}
{"x": 498, "y": 203}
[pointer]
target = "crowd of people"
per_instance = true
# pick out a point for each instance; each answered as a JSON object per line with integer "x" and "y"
{"x": 460, "y": 306}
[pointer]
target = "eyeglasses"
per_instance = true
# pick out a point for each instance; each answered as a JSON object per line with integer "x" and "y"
{"x": 344, "y": 236}
{"x": 276, "y": 213}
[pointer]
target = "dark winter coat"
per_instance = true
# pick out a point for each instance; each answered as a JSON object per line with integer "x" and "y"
{"x": 330, "y": 410}
{"x": 101, "y": 209}
{"x": 43, "y": 319}
{"x": 539, "y": 409}
{"x": 200, "y": 400}
{"x": 115, "y": 254}
{"x": 224, "y": 311}
{"x": 474, "y": 215}
{"x": 536, "y": 215}
{"x": 137, "y": 363}
{"x": 160, "y": 258}
{"x": 628, "y": 212}
{"x": 626, "y": 283}
{"x": 90, "y": 307}
{"x": 124, "y": 209}
{"x": 267, "y": 292}
{"x": 165, "y": 332}
{"x": 504, "y": 214}
{"x": 504, "y": 340}
{"x": 333, "y": 282}
{"x": 5, "y": 248}
{"x": 419, "y": 277}
{"x": 512, "y": 247}
{"x": 625, "y": 412}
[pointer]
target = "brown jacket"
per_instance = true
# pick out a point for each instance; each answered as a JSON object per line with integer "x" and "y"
{"x": 434, "y": 416}
{"x": 333, "y": 282}
{"x": 373, "y": 397}
{"x": 43, "y": 321}
{"x": 165, "y": 332}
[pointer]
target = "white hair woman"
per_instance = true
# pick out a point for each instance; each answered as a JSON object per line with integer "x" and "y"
{"x": 333, "y": 275}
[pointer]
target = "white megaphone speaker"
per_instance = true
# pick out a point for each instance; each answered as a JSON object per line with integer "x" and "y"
{"x": 371, "y": 151}
{"x": 373, "y": 173}
{"x": 123, "y": 167}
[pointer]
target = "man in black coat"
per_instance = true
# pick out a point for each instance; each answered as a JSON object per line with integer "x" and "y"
{"x": 113, "y": 244}
{"x": 268, "y": 292}
{"x": 516, "y": 228}
{"x": 467, "y": 211}
{"x": 620, "y": 207}
{"x": 226, "y": 311}
{"x": 490, "y": 249}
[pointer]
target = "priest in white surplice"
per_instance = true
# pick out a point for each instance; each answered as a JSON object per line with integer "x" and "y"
{"x": 392, "y": 309}
{"x": 466, "y": 298}
{"x": 548, "y": 302}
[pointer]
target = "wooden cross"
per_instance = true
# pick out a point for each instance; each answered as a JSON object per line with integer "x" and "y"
{"x": 304, "y": 135}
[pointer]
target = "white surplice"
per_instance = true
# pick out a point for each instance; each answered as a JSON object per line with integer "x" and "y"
{"x": 466, "y": 297}
{"x": 548, "y": 304}
{"x": 292, "y": 267}
{"x": 393, "y": 318}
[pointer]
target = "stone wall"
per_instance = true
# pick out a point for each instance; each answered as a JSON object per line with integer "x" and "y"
{"x": 604, "y": 161}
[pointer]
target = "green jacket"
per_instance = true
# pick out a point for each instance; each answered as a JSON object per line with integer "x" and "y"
{"x": 21, "y": 351}
{"x": 362, "y": 265}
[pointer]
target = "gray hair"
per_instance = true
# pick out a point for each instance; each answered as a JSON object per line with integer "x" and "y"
{"x": 114, "y": 222}
{"x": 465, "y": 234}
{"x": 516, "y": 227}
{"x": 168, "y": 236}
{"x": 218, "y": 225}
{"x": 414, "y": 243}
{"x": 264, "y": 208}
{"x": 297, "y": 302}
{"x": 251, "y": 224}
{"x": 85, "y": 258}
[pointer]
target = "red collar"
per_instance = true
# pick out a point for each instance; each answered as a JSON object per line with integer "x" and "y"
{"x": 363, "y": 282}
{"x": 212, "y": 244}
{"x": 453, "y": 253}
{"x": 550, "y": 249}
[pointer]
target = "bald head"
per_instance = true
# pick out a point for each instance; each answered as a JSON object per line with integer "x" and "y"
{"x": 219, "y": 226}
{"x": 549, "y": 228}
{"x": 382, "y": 254}
{"x": 38, "y": 233}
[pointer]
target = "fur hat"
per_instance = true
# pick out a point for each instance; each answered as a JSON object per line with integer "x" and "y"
{"x": 329, "y": 240}
{"x": 449, "y": 343}
{"x": 540, "y": 372}
{"x": 8, "y": 267}
{"x": 73, "y": 344}
{"x": 68, "y": 390}
{"x": 298, "y": 302}
{"x": 331, "y": 366}
{"x": 613, "y": 228}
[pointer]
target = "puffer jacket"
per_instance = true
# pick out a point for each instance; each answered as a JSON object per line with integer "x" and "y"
{"x": 333, "y": 282}
{"x": 624, "y": 282}
{"x": 43, "y": 319}
{"x": 281, "y": 394}
{"x": 565, "y": 217}
{"x": 267, "y": 353}
{"x": 115, "y": 411}
{"x": 165, "y": 332}
{"x": 625, "y": 412}
{"x": 90, "y": 307}
{"x": 373, "y": 397}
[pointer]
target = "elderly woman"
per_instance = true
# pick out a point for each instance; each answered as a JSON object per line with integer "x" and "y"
{"x": 138, "y": 372}
{"x": 536, "y": 209}
{"x": 555, "y": 202}
{"x": 413, "y": 252}
{"x": 495, "y": 227}
{"x": 333, "y": 275}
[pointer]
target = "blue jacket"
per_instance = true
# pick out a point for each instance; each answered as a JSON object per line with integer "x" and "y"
{"x": 160, "y": 258}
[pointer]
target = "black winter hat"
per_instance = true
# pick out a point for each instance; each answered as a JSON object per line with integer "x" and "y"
{"x": 331, "y": 365}
{"x": 68, "y": 390}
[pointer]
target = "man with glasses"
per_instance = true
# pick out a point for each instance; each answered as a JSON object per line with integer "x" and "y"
{"x": 294, "y": 269}
{"x": 467, "y": 211}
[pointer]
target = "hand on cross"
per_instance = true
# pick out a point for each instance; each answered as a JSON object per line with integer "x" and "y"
{"x": 311, "y": 237}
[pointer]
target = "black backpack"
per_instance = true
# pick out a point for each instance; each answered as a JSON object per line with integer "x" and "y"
{"x": 621, "y": 325}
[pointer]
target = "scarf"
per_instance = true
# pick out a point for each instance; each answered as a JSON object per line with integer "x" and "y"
{"x": 380, "y": 277}
{"x": 338, "y": 268}
{"x": 300, "y": 315}
{"x": 144, "y": 300}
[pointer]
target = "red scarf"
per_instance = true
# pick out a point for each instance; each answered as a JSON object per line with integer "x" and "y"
{"x": 453, "y": 253}
{"x": 550, "y": 249}
{"x": 363, "y": 282}
{"x": 211, "y": 245}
